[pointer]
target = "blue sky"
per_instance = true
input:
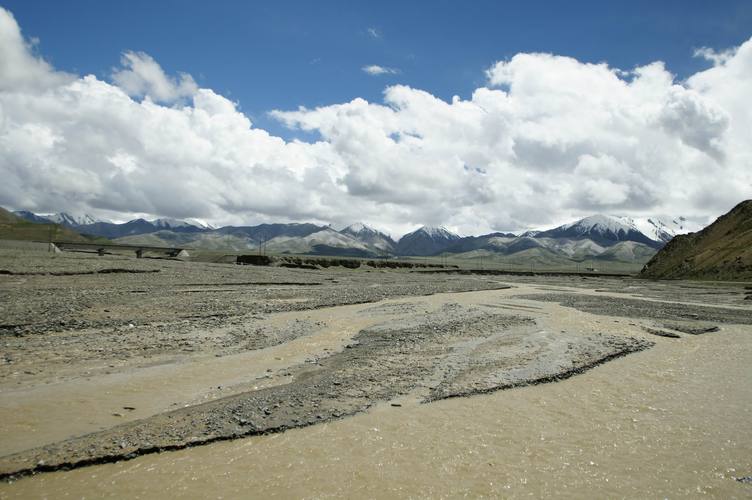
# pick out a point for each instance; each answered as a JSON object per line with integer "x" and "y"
{"x": 284, "y": 54}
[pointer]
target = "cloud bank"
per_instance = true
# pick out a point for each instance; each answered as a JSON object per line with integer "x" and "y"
{"x": 547, "y": 139}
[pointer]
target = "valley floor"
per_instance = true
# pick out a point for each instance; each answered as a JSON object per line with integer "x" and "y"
{"x": 277, "y": 382}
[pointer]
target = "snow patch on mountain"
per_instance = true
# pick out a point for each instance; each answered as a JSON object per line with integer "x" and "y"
{"x": 372, "y": 238}
{"x": 427, "y": 240}
{"x": 532, "y": 233}
{"x": 68, "y": 219}
{"x": 662, "y": 228}
{"x": 600, "y": 224}
{"x": 358, "y": 228}
{"x": 436, "y": 232}
{"x": 655, "y": 229}
{"x": 169, "y": 223}
{"x": 332, "y": 238}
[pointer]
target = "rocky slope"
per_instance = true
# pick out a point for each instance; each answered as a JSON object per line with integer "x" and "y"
{"x": 721, "y": 251}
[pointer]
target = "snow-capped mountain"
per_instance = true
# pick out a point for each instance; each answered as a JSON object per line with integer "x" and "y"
{"x": 605, "y": 230}
{"x": 88, "y": 224}
{"x": 359, "y": 228}
{"x": 370, "y": 237}
{"x": 168, "y": 223}
{"x": 72, "y": 220}
{"x": 662, "y": 228}
{"x": 62, "y": 218}
{"x": 438, "y": 232}
{"x": 531, "y": 233}
{"x": 136, "y": 227}
{"x": 427, "y": 240}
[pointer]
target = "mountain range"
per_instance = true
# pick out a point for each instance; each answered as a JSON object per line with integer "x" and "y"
{"x": 14, "y": 227}
{"x": 602, "y": 237}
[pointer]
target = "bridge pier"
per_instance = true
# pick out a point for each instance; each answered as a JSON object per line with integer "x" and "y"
{"x": 107, "y": 248}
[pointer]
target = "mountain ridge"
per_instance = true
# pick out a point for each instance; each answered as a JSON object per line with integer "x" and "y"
{"x": 598, "y": 236}
{"x": 425, "y": 241}
{"x": 15, "y": 227}
{"x": 603, "y": 229}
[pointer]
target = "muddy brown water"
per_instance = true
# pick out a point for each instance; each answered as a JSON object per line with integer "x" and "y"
{"x": 672, "y": 421}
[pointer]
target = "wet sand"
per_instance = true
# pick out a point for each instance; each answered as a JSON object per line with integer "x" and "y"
{"x": 669, "y": 420}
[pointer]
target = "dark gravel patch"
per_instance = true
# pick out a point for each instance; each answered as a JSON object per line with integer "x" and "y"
{"x": 636, "y": 308}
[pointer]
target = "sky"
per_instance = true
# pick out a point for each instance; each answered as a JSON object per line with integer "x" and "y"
{"x": 480, "y": 116}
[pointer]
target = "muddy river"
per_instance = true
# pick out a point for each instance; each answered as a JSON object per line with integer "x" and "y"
{"x": 666, "y": 422}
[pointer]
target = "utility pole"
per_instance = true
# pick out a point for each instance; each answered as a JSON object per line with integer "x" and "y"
{"x": 49, "y": 246}
{"x": 262, "y": 244}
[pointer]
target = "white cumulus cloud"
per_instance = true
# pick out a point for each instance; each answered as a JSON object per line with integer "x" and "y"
{"x": 548, "y": 138}
{"x": 19, "y": 67}
{"x": 141, "y": 76}
{"x": 376, "y": 70}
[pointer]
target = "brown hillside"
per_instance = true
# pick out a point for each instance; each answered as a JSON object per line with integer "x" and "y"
{"x": 7, "y": 217}
{"x": 721, "y": 251}
{"x": 13, "y": 227}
